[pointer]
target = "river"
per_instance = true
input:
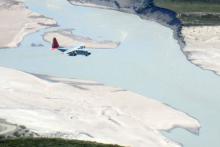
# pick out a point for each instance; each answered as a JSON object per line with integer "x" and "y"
{"x": 148, "y": 61}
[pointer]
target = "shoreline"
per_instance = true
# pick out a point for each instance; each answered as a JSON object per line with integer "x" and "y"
{"x": 25, "y": 23}
{"x": 11, "y": 131}
{"x": 183, "y": 42}
{"x": 202, "y": 48}
{"x": 144, "y": 118}
{"x": 151, "y": 12}
{"x": 68, "y": 39}
{"x": 168, "y": 18}
{"x": 194, "y": 131}
{"x": 6, "y": 128}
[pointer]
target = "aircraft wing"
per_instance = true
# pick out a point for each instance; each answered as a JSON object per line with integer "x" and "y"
{"x": 75, "y": 48}
{"x": 62, "y": 49}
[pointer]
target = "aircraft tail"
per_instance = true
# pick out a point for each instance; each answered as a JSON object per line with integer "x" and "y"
{"x": 55, "y": 44}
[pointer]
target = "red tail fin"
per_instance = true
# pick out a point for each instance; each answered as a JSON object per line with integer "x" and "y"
{"x": 55, "y": 44}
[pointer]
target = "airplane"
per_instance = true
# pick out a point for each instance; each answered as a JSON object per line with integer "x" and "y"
{"x": 78, "y": 50}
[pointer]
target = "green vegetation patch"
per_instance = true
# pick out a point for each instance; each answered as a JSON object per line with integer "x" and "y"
{"x": 194, "y": 12}
{"x": 185, "y": 6}
{"x": 47, "y": 142}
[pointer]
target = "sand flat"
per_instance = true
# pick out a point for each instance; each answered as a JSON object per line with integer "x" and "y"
{"x": 203, "y": 46}
{"x": 18, "y": 21}
{"x": 87, "y": 110}
{"x": 6, "y": 128}
{"x": 67, "y": 39}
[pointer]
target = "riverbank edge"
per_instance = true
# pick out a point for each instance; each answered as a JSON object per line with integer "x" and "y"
{"x": 189, "y": 123}
{"x": 11, "y": 131}
{"x": 179, "y": 36}
{"x": 63, "y": 35}
{"x": 42, "y": 21}
{"x": 163, "y": 16}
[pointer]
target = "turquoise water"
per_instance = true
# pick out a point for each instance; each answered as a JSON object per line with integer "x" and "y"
{"x": 148, "y": 62}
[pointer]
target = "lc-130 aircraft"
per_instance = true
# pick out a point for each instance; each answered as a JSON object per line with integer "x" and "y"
{"x": 78, "y": 50}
